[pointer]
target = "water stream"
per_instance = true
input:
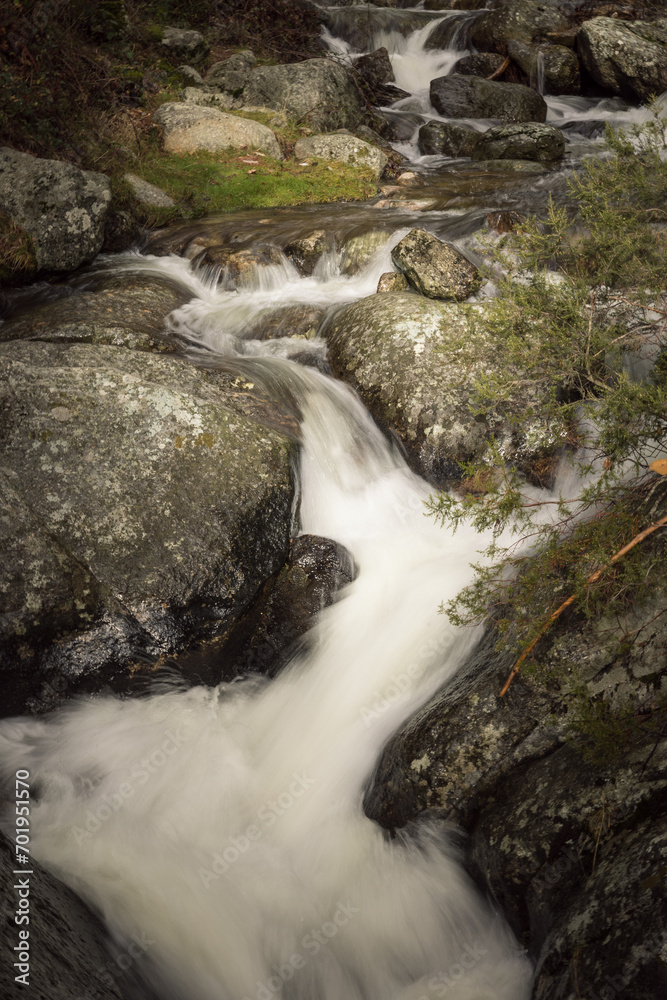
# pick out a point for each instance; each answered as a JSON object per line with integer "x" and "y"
{"x": 240, "y": 856}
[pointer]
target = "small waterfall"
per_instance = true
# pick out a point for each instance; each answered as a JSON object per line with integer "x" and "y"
{"x": 540, "y": 72}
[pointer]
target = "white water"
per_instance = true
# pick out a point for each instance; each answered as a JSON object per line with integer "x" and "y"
{"x": 224, "y": 827}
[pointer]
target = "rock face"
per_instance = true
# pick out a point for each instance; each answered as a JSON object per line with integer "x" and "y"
{"x": 522, "y": 20}
{"x": 184, "y": 44}
{"x": 560, "y": 65}
{"x": 231, "y": 74}
{"x": 434, "y": 268}
{"x": 62, "y": 208}
{"x": 531, "y": 141}
{"x": 413, "y": 361}
{"x": 148, "y": 194}
{"x": 345, "y": 149}
{"x": 318, "y": 90}
{"x": 446, "y": 139}
{"x": 469, "y": 97}
{"x": 140, "y": 510}
{"x": 572, "y": 849}
{"x": 629, "y": 59}
{"x": 188, "y": 128}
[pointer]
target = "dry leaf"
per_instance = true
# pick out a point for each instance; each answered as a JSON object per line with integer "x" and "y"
{"x": 659, "y": 466}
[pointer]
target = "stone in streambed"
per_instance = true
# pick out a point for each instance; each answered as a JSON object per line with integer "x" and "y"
{"x": 375, "y": 68}
{"x": 482, "y": 64}
{"x": 521, "y": 20}
{"x": 189, "y": 127}
{"x": 434, "y": 268}
{"x": 306, "y": 251}
{"x": 299, "y": 321}
{"x": 528, "y": 141}
{"x": 392, "y": 281}
{"x": 359, "y": 250}
{"x": 344, "y": 148}
{"x": 628, "y": 59}
{"x": 447, "y": 139}
{"x": 238, "y": 267}
{"x": 469, "y": 97}
{"x": 559, "y": 65}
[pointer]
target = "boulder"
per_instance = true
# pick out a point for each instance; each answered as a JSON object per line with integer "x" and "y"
{"x": 318, "y": 91}
{"x": 482, "y": 64}
{"x": 434, "y": 268}
{"x": 469, "y": 97}
{"x": 358, "y": 250}
{"x": 375, "y": 68}
{"x": 203, "y": 97}
{"x": 446, "y": 139}
{"x": 191, "y": 75}
{"x": 132, "y": 316}
{"x": 521, "y": 20}
{"x": 413, "y": 361}
{"x": 392, "y": 281}
{"x": 306, "y": 251}
{"x": 629, "y": 59}
{"x": 148, "y": 194}
{"x": 141, "y": 511}
{"x": 182, "y": 43}
{"x": 188, "y": 127}
{"x": 61, "y": 208}
{"x": 344, "y": 148}
{"x": 559, "y": 65}
{"x": 567, "y": 832}
{"x": 530, "y": 141}
{"x": 231, "y": 74}
{"x": 359, "y": 30}
{"x": 239, "y": 267}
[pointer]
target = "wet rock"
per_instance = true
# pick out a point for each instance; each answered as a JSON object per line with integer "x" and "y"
{"x": 239, "y": 267}
{"x": 447, "y": 139}
{"x": 454, "y": 4}
{"x": 301, "y": 322}
{"x": 530, "y": 141}
{"x": 344, "y": 148}
{"x": 434, "y": 268}
{"x": 182, "y": 43}
{"x": 148, "y": 194}
{"x": 358, "y": 250}
{"x": 318, "y": 91}
{"x": 140, "y": 511}
{"x": 414, "y": 362}
{"x": 375, "y": 69}
{"x": 189, "y": 127}
{"x": 629, "y": 59}
{"x": 263, "y": 639}
{"x": 469, "y": 97}
{"x": 130, "y": 316}
{"x": 61, "y": 208}
{"x": 559, "y": 65}
{"x": 231, "y": 74}
{"x": 512, "y": 166}
{"x": 482, "y": 64}
{"x": 306, "y": 251}
{"x": 392, "y": 281}
{"x": 521, "y": 20}
{"x": 359, "y": 30}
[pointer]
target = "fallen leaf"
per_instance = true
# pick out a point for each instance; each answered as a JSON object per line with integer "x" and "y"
{"x": 659, "y": 466}
{"x": 252, "y": 171}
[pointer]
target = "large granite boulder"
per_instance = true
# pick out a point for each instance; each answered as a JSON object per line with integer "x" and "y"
{"x": 446, "y": 139}
{"x": 470, "y": 97}
{"x": 628, "y": 58}
{"x": 414, "y": 362}
{"x": 344, "y": 148}
{"x": 61, "y": 208}
{"x": 530, "y": 141}
{"x": 434, "y": 268}
{"x": 189, "y": 127}
{"x": 557, "y": 63}
{"x": 319, "y": 91}
{"x": 231, "y": 75}
{"x": 141, "y": 511}
{"x": 521, "y": 20}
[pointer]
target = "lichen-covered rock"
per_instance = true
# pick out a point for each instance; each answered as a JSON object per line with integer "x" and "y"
{"x": 239, "y": 267}
{"x": 529, "y": 141}
{"x": 185, "y": 44}
{"x": 140, "y": 511}
{"x": 469, "y": 97}
{"x": 306, "y": 251}
{"x": 129, "y": 316}
{"x": 557, "y": 63}
{"x": 434, "y": 268}
{"x": 318, "y": 91}
{"x": 414, "y": 361}
{"x": 189, "y": 127}
{"x": 446, "y": 139}
{"x": 191, "y": 75}
{"x": 521, "y": 20}
{"x": 231, "y": 74}
{"x": 392, "y": 281}
{"x": 344, "y": 148}
{"x": 148, "y": 194}
{"x": 62, "y": 209}
{"x": 628, "y": 58}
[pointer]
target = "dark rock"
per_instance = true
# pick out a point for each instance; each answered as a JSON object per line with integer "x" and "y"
{"x": 454, "y": 4}
{"x": 318, "y": 91}
{"x": 375, "y": 69}
{"x": 521, "y": 20}
{"x": 628, "y": 59}
{"x": 469, "y": 97}
{"x": 482, "y": 64}
{"x": 559, "y": 65}
{"x": 238, "y": 267}
{"x": 231, "y": 75}
{"x": 446, "y": 139}
{"x": 358, "y": 29}
{"x": 141, "y": 510}
{"x": 434, "y": 268}
{"x": 306, "y": 251}
{"x": 190, "y": 46}
{"x": 286, "y": 321}
{"x": 530, "y": 141}
{"x": 504, "y": 222}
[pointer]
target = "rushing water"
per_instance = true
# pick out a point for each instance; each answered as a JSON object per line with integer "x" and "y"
{"x": 223, "y": 827}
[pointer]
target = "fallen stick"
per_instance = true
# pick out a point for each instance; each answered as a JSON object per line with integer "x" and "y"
{"x": 501, "y": 69}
